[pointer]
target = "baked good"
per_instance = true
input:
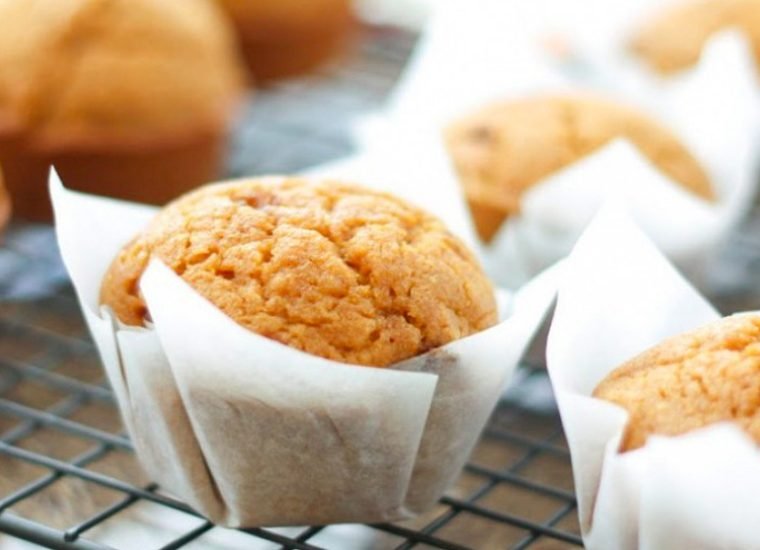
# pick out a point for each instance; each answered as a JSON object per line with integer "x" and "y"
{"x": 709, "y": 375}
{"x": 281, "y": 38}
{"x": 5, "y": 204}
{"x": 673, "y": 40}
{"x": 503, "y": 149}
{"x": 129, "y": 98}
{"x": 329, "y": 268}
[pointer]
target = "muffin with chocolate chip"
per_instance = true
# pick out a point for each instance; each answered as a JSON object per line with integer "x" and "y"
{"x": 501, "y": 150}
{"x": 329, "y": 268}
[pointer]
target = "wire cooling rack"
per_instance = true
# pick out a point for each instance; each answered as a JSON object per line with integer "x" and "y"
{"x": 69, "y": 479}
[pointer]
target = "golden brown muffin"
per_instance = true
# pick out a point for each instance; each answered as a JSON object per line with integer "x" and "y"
{"x": 281, "y": 38}
{"x": 503, "y": 149}
{"x": 709, "y": 375}
{"x": 130, "y": 97}
{"x": 674, "y": 39}
{"x": 332, "y": 269}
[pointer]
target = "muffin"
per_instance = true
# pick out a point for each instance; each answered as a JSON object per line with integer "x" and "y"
{"x": 329, "y": 268}
{"x": 503, "y": 149}
{"x": 674, "y": 39}
{"x": 128, "y": 98}
{"x": 5, "y": 204}
{"x": 709, "y": 375}
{"x": 281, "y": 38}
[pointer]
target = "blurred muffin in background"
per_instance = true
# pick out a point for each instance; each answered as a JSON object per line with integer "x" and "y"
{"x": 5, "y": 203}
{"x": 503, "y": 149}
{"x": 128, "y": 98}
{"x": 674, "y": 39}
{"x": 282, "y": 38}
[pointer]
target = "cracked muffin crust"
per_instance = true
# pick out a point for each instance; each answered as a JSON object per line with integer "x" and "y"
{"x": 329, "y": 268}
{"x": 709, "y": 375}
{"x": 505, "y": 148}
{"x": 673, "y": 40}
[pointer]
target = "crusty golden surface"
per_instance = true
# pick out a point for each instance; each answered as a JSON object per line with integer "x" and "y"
{"x": 329, "y": 268}
{"x": 92, "y": 70}
{"x": 674, "y": 39}
{"x": 503, "y": 149}
{"x": 708, "y": 375}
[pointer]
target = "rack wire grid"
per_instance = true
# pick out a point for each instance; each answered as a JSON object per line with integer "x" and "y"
{"x": 68, "y": 476}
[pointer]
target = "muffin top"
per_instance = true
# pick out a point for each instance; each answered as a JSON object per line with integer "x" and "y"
{"x": 329, "y": 268}
{"x": 503, "y": 149}
{"x": 709, "y": 375}
{"x": 104, "y": 71}
{"x": 674, "y": 39}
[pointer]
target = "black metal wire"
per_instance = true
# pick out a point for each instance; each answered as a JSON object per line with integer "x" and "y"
{"x": 73, "y": 533}
{"x": 42, "y": 535}
{"x": 188, "y": 537}
{"x": 522, "y": 482}
{"x": 74, "y": 428}
{"x": 534, "y": 448}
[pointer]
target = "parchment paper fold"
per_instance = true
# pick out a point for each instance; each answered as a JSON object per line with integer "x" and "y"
{"x": 619, "y": 296}
{"x": 250, "y": 432}
{"x": 476, "y": 52}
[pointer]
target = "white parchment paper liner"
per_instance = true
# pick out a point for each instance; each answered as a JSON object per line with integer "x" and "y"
{"x": 251, "y": 432}
{"x": 619, "y": 297}
{"x": 473, "y": 53}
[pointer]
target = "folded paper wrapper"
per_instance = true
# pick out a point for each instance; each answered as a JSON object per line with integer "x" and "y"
{"x": 469, "y": 57}
{"x": 618, "y": 297}
{"x": 250, "y": 432}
